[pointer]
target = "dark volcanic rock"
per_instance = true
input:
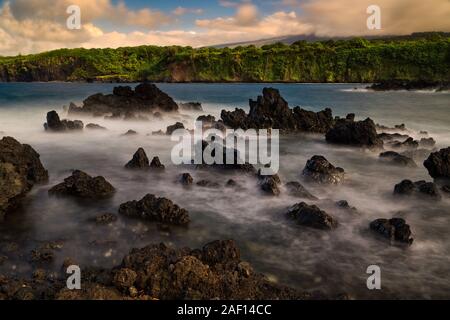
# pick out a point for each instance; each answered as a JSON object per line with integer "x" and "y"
{"x": 397, "y": 159}
{"x": 208, "y": 184}
{"x": 392, "y": 136}
{"x": 186, "y": 179}
{"x": 207, "y": 119}
{"x": 146, "y": 98}
{"x": 172, "y": 128}
{"x": 139, "y": 161}
{"x": 20, "y": 169}
{"x": 106, "y": 218}
{"x": 269, "y": 184}
{"x": 94, "y": 126}
{"x": 296, "y": 189}
{"x": 191, "y": 106}
{"x": 320, "y": 170}
{"x": 438, "y": 164}
{"x": 409, "y": 85}
{"x": 427, "y": 142}
{"x": 155, "y": 209}
{"x": 271, "y": 111}
{"x": 359, "y": 133}
{"x": 82, "y": 185}
{"x": 156, "y": 164}
{"x": 423, "y": 189}
{"x": 55, "y": 124}
{"x": 130, "y": 133}
{"x": 409, "y": 143}
{"x": 394, "y": 229}
{"x": 311, "y": 216}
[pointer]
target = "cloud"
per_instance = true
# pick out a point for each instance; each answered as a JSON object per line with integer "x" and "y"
{"x": 180, "y": 11}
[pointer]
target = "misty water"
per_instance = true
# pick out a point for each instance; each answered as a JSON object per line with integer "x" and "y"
{"x": 311, "y": 260}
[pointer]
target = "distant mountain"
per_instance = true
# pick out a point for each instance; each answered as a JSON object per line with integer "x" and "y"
{"x": 290, "y": 39}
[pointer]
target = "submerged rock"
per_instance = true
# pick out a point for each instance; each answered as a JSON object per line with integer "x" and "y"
{"x": 296, "y": 189}
{"x": 438, "y": 164}
{"x": 271, "y": 111}
{"x": 311, "y": 216}
{"x": 139, "y": 161}
{"x": 20, "y": 169}
{"x": 94, "y": 126}
{"x": 155, "y": 209}
{"x": 392, "y": 136}
{"x": 355, "y": 133}
{"x": 394, "y": 229}
{"x": 82, "y": 185}
{"x": 419, "y": 188}
{"x": 208, "y": 184}
{"x": 409, "y": 144}
{"x": 130, "y": 133}
{"x": 320, "y": 170}
{"x": 186, "y": 179}
{"x": 55, "y": 124}
{"x": 172, "y": 128}
{"x": 191, "y": 106}
{"x": 397, "y": 159}
{"x": 269, "y": 184}
{"x": 427, "y": 142}
{"x": 145, "y": 98}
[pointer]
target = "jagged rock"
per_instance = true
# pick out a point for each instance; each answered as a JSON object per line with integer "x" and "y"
{"x": 146, "y": 98}
{"x": 392, "y": 136}
{"x": 394, "y": 229}
{"x": 20, "y": 169}
{"x": 359, "y": 133}
{"x": 343, "y": 204}
{"x": 208, "y": 119}
{"x": 130, "y": 133}
{"x": 397, "y": 159}
{"x": 320, "y": 170}
{"x": 271, "y": 111}
{"x": 82, "y": 185}
{"x": 438, "y": 164}
{"x": 295, "y": 189}
{"x": 208, "y": 184}
{"x": 156, "y": 164}
{"x": 427, "y": 142}
{"x": 55, "y": 124}
{"x": 311, "y": 216}
{"x": 419, "y": 188}
{"x": 94, "y": 126}
{"x": 139, "y": 161}
{"x": 191, "y": 106}
{"x": 106, "y": 218}
{"x": 172, "y": 128}
{"x": 124, "y": 278}
{"x": 269, "y": 184}
{"x": 409, "y": 143}
{"x": 155, "y": 209}
{"x": 186, "y": 179}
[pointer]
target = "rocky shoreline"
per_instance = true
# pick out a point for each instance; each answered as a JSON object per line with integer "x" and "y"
{"x": 215, "y": 271}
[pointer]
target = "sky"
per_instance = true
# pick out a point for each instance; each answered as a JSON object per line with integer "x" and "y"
{"x": 30, "y": 26}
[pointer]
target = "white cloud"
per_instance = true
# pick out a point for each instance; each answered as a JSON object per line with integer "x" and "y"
{"x": 180, "y": 11}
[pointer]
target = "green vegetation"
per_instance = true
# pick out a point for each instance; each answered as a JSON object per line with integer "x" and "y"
{"x": 355, "y": 60}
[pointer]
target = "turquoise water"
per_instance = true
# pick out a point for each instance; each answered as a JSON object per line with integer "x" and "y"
{"x": 331, "y": 262}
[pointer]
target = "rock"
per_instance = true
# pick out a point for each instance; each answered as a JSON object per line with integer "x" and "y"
{"x": 438, "y": 164}
{"x": 130, "y": 133}
{"x": 295, "y": 189}
{"x": 397, "y": 159}
{"x": 409, "y": 85}
{"x": 155, "y": 209}
{"x": 139, "y": 161}
{"x": 20, "y": 169}
{"x": 343, "y": 204}
{"x": 231, "y": 183}
{"x": 146, "y": 98}
{"x": 94, "y": 126}
{"x": 392, "y": 136}
{"x": 394, "y": 229}
{"x": 311, "y": 216}
{"x": 55, "y": 124}
{"x": 427, "y": 142}
{"x": 172, "y": 128}
{"x": 82, "y": 185}
{"x": 271, "y": 111}
{"x": 42, "y": 255}
{"x": 207, "y": 119}
{"x": 320, "y": 170}
{"x": 409, "y": 143}
{"x": 124, "y": 278}
{"x": 106, "y": 218}
{"x": 156, "y": 164}
{"x": 186, "y": 179}
{"x": 191, "y": 106}
{"x": 359, "y": 133}
{"x": 158, "y": 133}
{"x": 423, "y": 189}
{"x": 270, "y": 184}
{"x": 208, "y": 184}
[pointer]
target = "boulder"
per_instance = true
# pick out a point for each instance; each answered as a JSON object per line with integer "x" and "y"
{"x": 269, "y": 184}
{"x": 438, "y": 164}
{"x": 397, "y": 159}
{"x": 145, "y": 98}
{"x": 320, "y": 170}
{"x": 296, "y": 189}
{"x": 155, "y": 209}
{"x": 392, "y": 136}
{"x": 55, "y": 124}
{"x": 423, "y": 189}
{"x": 207, "y": 119}
{"x": 311, "y": 216}
{"x": 172, "y": 128}
{"x": 191, "y": 106}
{"x": 409, "y": 144}
{"x": 355, "y": 133}
{"x": 139, "y": 161}
{"x": 156, "y": 164}
{"x": 82, "y": 185}
{"x": 20, "y": 169}
{"x": 394, "y": 229}
{"x": 186, "y": 179}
